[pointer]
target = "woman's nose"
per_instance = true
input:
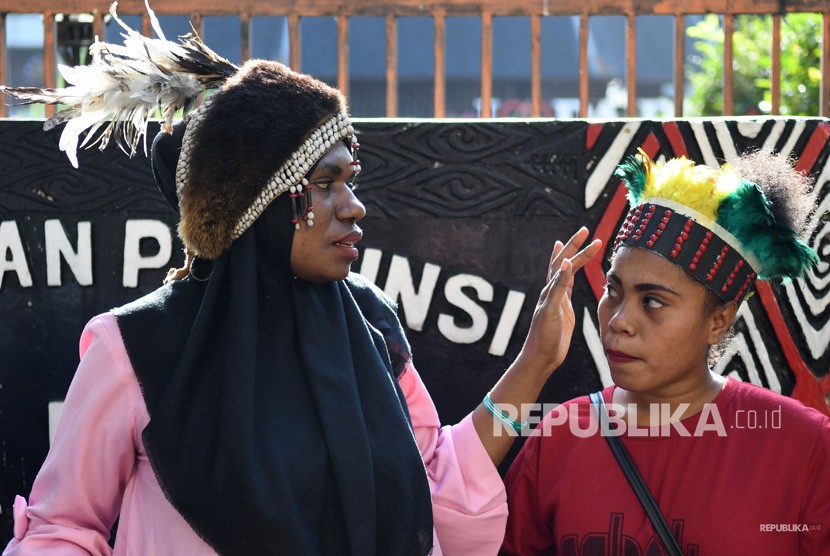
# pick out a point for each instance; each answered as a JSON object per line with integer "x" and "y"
{"x": 350, "y": 207}
{"x": 621, "y": 320}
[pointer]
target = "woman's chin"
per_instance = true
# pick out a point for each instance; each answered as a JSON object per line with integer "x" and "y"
{"x": 628, "y": 380}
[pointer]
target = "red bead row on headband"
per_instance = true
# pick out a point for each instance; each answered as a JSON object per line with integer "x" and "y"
{"x": 691, "y": 246}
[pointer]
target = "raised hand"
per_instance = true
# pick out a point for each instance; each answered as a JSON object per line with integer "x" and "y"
{"x": 544, "y": 349}
{"x": 551, "y": 329}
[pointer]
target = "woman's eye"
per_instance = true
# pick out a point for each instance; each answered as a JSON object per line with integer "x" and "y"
{"x": 351, "y": 185}
{"x": 653, "y": 302}
{"x": 322, "y": 184}
{"x": 610, "y": 291}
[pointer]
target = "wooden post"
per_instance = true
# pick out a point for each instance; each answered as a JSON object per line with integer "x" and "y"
{"x": 245, "y": 36}
{"x": 391, "y": 66}
{"x": 343, "y": 53}
{"x": 728, "y": 94}
{"x": 197, "y": 22}
{"x": 49, "y": 56}
{"x": 583, "y": 65}
{"x": 631, "y": 65}
{"x": 536, "y": 65}
{"x": 440, "y": 65}
{"x": 679, "y": 63}
{"x": 97, "y": 24}
{"x": 146, "y": 26}
{"x": 486, "y": 65}
{"x": 294, "y": 41}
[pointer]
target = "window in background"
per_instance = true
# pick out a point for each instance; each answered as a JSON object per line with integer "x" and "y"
{"x": 463, "y": 63}
{"x": 112, "y": 30}
{"x": 24, "y": 59}
{"x": 560, "y": 66}
{"x": 607, "y": 95}
{"x": 511, "y": 67}
{"x": 269, "y": 38}
{"x": 318, "y": 48}
{"x": 224, "y": 35}
{"x": 367, "y": 67}
{"x": 173, "y": 27}
{"x": 416, "y": 67}
{"x": 655, "y": 66}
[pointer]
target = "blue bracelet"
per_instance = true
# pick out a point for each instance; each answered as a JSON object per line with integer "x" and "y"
{"x": 501, "y": 415}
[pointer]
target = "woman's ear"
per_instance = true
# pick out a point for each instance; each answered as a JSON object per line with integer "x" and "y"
{"x": 720, "y": 320}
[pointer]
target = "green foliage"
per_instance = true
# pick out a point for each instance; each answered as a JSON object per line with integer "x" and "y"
{"x": 752, "y": 66}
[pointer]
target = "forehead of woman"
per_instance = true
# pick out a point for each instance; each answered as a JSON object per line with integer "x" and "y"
{"x": 640, "y": 268}
{"x": 337, "y": 160}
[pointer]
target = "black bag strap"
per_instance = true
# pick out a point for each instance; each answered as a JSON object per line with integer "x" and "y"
{"x": 636, "y": 480}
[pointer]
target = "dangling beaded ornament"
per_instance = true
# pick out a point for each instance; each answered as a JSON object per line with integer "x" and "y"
{"x": 306, "y": 205}
{"x": 355, "y": 160}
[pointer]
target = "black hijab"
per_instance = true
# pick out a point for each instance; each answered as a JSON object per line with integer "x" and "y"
{"x": 277, "y": 425}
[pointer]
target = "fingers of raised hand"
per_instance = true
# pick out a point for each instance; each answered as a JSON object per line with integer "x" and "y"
{"x": 553, "y": 264}
{"x": 567, "y": 259}
{"x": 576, "y": 241}
{"x": 586, "y": 254}
{"x": 557, "y": 287}
{"x": 564, "y": 276}
{"x": 566, "y": 251}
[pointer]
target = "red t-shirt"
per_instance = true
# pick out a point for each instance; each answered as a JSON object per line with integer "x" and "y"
{"x": 752, "y": 477}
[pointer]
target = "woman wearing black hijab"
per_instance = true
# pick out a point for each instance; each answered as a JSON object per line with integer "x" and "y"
{"x": 264, "y": 400}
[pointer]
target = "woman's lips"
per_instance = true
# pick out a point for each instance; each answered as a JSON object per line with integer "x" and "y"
{"x": 348, "y": 250}
{"x": 619, "y": 356}
{"x": 347, "y": 245}
{"x": 350, "y": 239}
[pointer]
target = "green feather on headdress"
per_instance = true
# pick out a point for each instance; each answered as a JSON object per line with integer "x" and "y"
{"x": 634, "y": 171}
{"x": 747, "y": 214}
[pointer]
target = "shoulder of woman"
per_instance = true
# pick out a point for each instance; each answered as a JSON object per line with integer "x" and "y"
{"x": 363, "y": 289}
{"x": 170, "y": 300}
{"x": 758, "y": 398}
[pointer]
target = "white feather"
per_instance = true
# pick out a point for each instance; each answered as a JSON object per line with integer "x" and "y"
{"x": 69, "y": 138}
{"x": 125, "y": 85}
{"x": 154, "y": 22}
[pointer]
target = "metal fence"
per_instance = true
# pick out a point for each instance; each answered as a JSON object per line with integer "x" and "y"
{"x": 487, "y": 10}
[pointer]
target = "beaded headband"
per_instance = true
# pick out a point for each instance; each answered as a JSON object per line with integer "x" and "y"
{"x": 717, "y": 226}
{"x": 681, "y": 235}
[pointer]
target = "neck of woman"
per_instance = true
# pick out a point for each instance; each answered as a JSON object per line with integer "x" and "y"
{"x": 674, "y": 402}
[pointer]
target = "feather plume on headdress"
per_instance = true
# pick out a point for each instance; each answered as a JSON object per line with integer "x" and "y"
{"x": 124, "y": 85}
{"x": 749, "y": 202}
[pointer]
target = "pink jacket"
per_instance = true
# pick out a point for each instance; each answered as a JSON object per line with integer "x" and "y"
{"x": 97, "y": 470}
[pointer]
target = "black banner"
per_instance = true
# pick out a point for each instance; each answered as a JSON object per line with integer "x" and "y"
{"x": 462, "y": 217}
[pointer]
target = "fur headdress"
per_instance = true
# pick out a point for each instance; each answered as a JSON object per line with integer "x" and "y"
{"x": 723, "y": 226}
{"x": 251, "y": 141}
